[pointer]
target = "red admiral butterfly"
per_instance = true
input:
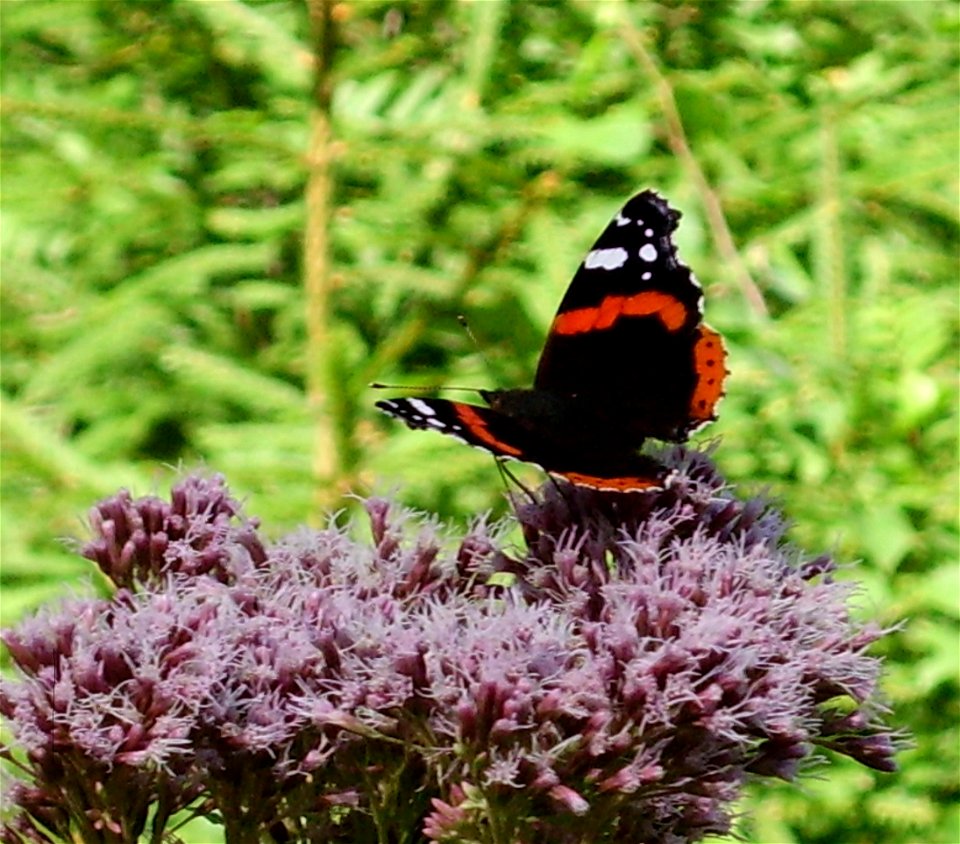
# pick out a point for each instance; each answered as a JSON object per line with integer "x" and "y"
{"x": 627, "y": 358}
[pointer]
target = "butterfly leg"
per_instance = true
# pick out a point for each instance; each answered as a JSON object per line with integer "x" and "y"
{"x": 505, "y": 473}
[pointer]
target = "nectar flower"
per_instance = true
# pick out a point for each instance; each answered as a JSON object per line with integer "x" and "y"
{"x": 648, "y": 655}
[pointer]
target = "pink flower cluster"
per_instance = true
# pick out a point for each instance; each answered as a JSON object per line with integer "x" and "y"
{"x": 620, "y": 679}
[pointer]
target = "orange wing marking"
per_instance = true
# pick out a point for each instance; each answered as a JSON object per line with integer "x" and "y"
{"x": 668, "y": 309}
{"x": 709, "y": 357}
{"x": 630, "y": 483}
{"x": 476, "y": 425}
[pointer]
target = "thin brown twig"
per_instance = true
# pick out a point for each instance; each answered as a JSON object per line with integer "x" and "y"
{"x": 681, "y": 147}
{"x": 481, "y": 256}
{"x": 508, "y": 232}
{"x": 316, "y": 257}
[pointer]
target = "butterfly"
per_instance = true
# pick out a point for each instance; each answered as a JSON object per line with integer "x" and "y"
{"x": 627, "y": 358}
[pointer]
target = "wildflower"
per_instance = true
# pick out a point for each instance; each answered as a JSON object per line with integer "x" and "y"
{"x": 140, "y": 541}
{"x": 649, "y": 655}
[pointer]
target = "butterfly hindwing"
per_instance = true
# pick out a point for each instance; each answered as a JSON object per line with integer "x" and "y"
{"x": 476, "y": 426}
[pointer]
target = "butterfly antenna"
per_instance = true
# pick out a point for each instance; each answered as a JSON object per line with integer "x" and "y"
{"x": 473, "y": 339}
{"x": 430, "y": 388}
{"x": 377, "y": 385}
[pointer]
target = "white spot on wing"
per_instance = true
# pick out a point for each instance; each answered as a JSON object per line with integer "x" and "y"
{"x": 422, "y": 407}
{"x": 606, "y": 259}
{"x": 648, "y": 252}
{"x": 648, "y": 232}
{"x": 620, "y": 220}
{"x": 646, "y": 276}
{"x": 696, "y": 284}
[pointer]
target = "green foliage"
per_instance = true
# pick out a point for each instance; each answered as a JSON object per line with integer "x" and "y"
{"x": 153, "y": 187}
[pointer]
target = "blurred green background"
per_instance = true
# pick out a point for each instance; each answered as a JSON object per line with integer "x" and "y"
{"x": 217, "y": 230}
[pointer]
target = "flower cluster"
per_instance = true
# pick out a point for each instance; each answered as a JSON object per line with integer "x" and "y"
{"x": 139, "y": 542}
{"x": 619, "y": 680}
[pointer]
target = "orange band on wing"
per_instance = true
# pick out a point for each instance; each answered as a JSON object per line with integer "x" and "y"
{"x": 476, "y": 425}
{"x": 709, "y": 357}
{"x": 632, "y": 483}
{"x": 668, "y": 309}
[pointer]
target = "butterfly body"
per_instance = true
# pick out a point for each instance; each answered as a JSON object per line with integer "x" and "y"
{"x": 627, "y": 358}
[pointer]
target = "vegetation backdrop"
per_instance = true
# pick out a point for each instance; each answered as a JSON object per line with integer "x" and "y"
{"x": 222, "y": 220}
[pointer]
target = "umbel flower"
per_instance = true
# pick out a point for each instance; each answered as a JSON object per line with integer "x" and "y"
{"x": 621, "y": 678}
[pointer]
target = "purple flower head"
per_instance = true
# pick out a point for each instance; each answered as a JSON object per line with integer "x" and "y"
{"x": 622, "y": 678}
{"x": 139, "y": 542}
